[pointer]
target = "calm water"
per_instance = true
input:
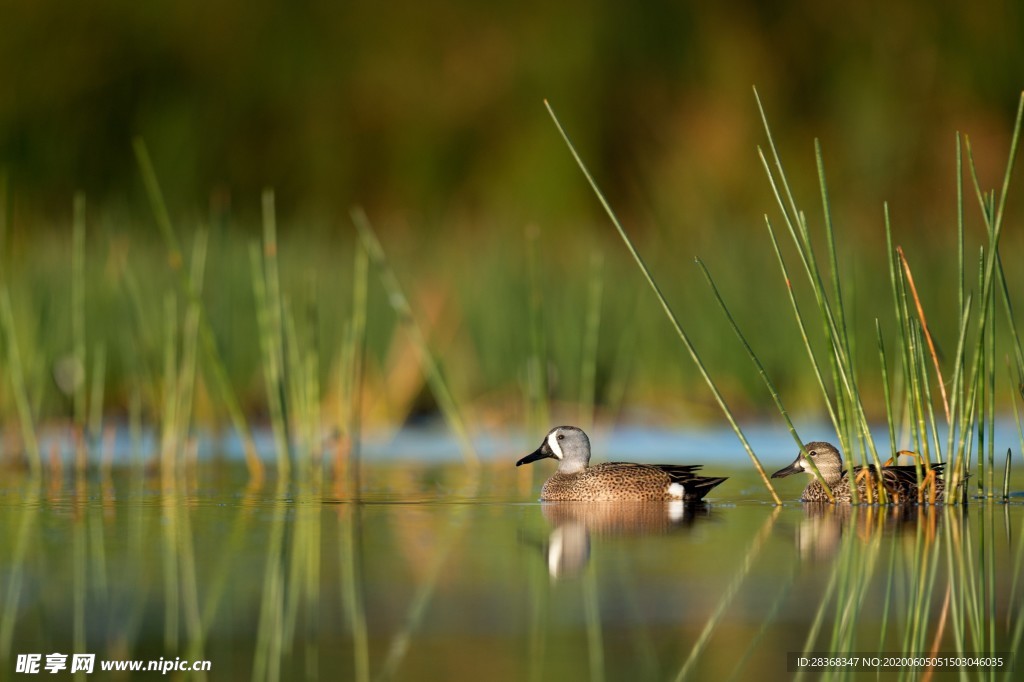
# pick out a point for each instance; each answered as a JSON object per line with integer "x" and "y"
{"x": 435, "y": 574}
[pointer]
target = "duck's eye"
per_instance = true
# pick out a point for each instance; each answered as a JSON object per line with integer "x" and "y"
{"x": 813, "y": 453}
{"x": 561, "y": 436}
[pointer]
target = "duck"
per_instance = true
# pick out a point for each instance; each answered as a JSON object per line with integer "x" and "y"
{"x": 899, "y": 481}
{"x": 576, "y": 481}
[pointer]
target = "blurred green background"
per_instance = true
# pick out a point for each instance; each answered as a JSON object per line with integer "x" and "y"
{"x": 430, "y": 116}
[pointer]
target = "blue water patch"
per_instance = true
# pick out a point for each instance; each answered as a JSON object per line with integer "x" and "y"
{"x": 433, "y": 442}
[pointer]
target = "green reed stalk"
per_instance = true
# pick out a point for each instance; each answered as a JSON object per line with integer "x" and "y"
{"x": 635, "y": 611}
{"x": 928, "y": 402}
{"x": 857, "y": 567}
{"x": 890, "y": 419}
{"x": 310, "y": 358}
{"x": 194, "y": 633}
{"x": 592, "y": 617}
{"x": 311, "y": 577}
{"x": 229, "y": 550}
{"x": 99, "y": 375}
{"x": 830, "y": 241}
{"x": 430, "y": 364}
{"x": 16, "y": 373}
{"x": 926, "y": 559}
{"x": 269, "y": 633}
{"x": 887, "y": 602}
{"x": 591, "y": 337}
{"x": 840, "y": 358}
{"x": 764, "y": 377}
{"x": 973, "y": 606}
{"x": 767, "y": 623}
{"x": 988, "y": 551}
{"x": 1006, "y": 475}
{"x": 27, "y": 536}
{"x": 275, "y": 329}
{"x": 272, "y": 370}
{"x": 905, "y": 336}
{"x": 145, "y": 339}
{"x": 990, "y": 393}
{"x": 1017, "y": 571}
{"x": 960, "y": 264}
{"x": 815, "y": 365}
{"x": 78, "y": 311}
{"x": 957, "y": 391}
{"x": 296, "y": 390}
{"x": 170, "y": 569}
{"x": 79, "y": 587}
{"x": 189, "y": 337}
{"x": 537, "y": 633}
{"x": 665, "y": 307}
{"x": 352, "y": 365}
{"x": 753, "y": 550}
{"x": 350, "y": 555}
{"x": 169, "y": 421}
{"x": 1017, "y": 418}
{"x": 993, "y": 215}
{"x": 819, "y": 614}
{"x": 454, "y": 529}
{"x": 302, "y": 589}
{"x": 957, "y": 601}
{"x": 209, "y": 342}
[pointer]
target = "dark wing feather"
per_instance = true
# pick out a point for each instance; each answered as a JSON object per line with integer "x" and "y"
{"x": 696, "y": 487}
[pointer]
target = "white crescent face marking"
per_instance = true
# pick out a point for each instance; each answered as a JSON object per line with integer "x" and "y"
{"x": 553, "y": 444}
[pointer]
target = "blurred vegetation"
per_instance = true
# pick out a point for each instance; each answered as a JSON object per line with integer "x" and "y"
{"x": 430, "y": 117}
{"x": 434, "y": 110}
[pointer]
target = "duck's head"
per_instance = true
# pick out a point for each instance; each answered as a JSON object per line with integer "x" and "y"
{"x": 568, "y": 444}
{"x": 826, "y": 457}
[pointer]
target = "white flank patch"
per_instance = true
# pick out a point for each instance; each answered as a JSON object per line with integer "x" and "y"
{"x": 676, "y": 509}
{"x": 553, "y": 444}
{"x": 676, "y": 491}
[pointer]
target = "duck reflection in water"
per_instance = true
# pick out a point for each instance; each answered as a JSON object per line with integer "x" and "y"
{"x": 573, "y": 524}
{"x": 821, "y": 532}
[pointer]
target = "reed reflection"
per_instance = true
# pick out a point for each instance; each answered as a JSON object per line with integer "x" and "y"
{"x": 820, "y": 533}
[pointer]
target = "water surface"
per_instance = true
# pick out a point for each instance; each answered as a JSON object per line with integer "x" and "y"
{"x": 436, "y": 573}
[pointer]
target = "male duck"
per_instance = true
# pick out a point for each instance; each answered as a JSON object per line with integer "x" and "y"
{"x": 613, "y": 481}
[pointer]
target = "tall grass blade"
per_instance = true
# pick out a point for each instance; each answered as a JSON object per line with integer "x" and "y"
{"x": 739, "y": 577}
{"x": 272, "y": 370}
{"x": 826, "y": 399}
{"x": 207, "y": 339}
{"x": 764, "y": 377}
{"x": 848, "y": 400}
{"x": 16, "y": 375}
{"x": 350, "y": 561}
{"x": 352, "y": 365}
{"x": 78, "y": 312}
{"x": 665, "y": 306}
{"x": 592, "y": 616}
{"x": 924, "y": 328}
{"x": 431, "y": 366}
